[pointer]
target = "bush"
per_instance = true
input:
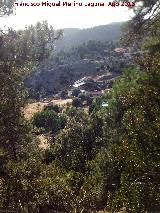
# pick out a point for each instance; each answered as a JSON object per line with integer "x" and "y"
{"x": 77, "y": 102}
{"x": 48, "y": 156}
{"x": 89, "y": 100}
{"x": 82, "y": 96}
{"x": 48, "y": 119}
{"x": 53, "y": 107}
{"x": 64, "y": 94}
{"x": 63, "y": 121}
{"x": 76, "y": 92}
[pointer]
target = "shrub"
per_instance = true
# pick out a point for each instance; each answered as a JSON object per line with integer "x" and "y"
{"x": 48, "y": 119}
{"x": 82, "y": 96}
{"x": 77, "y": 102}
{"x": 53, "y": 107}
{"x": 64, "y": 94}
{"x": 76, "y": 92}
{"x": 89, "y": 100}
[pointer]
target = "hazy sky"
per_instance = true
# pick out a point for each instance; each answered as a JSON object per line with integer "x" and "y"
{"x": 64, "y": 17}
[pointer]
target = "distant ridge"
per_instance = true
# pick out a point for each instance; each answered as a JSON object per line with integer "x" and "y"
{"x": 75, "y": 36}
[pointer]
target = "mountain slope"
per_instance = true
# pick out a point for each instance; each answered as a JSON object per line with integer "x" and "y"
{"x": 74, "y": 36}
{"x": 85, "y": 52}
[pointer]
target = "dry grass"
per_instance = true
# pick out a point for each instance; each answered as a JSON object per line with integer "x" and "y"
{"x": 32, "y": 108}
{"x": 61, "y": 102}
{"x": 43, "y": 141}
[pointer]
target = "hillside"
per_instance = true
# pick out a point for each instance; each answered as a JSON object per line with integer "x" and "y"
{"x": 78, "y": 53}
{"x": 66, "y": 67}
{"x": 87, "y": 140}
{"x": 74, "y": 36}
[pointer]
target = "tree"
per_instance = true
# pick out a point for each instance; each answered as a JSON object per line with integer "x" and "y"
{"x": 76, "y": 92}
{"x": 131, "y": 134}
{"x": 19, "y": 52}
{"x": 89, "y": 100}
{"x": 53, "y": 107}
{"x": 6, "y": 8}
{"x": 77, "y": 102}
{"x": 139, "y": 143}
{"x": 82, "y": 96}
{"x": 64, "y": 94}
{"x": 144, "y": 23}
{"x": 73, "y": 145}
{"x": 48, "y": 119}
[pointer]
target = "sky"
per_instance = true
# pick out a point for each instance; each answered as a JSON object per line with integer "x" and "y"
{"x": 66, "y": 17}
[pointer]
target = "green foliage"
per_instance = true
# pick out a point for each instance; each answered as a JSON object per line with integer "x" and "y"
{"x": 145, "y": 23}
{"x": 43, "y": 188}
{"x": 19, "y": 52}
{"x": 77, "y": 114}
{"x": 77, "y": 102}
{"x": 151, "y": 44}
{"x": 48, "y": 156}
{"x": 69, "y": 148}
{"x": 64, "y": 94}
{"x": 47, "y": 119}
{"x": 53, "y": 107}
{"x": 107, "y": 158}
{"x": 131, "y": 122}
{"x": 89, "y": 100}
{"x": 94, "y": 49}
{"x": 82, "y": 96}
{"x": 67, "y": 66}
{"x": 63, "y": 120}
{"x": 76, "y": 92}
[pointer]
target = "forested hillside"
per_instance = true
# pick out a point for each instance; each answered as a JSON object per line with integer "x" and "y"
{"x": 78, "y": 53}
{"x": 73, "y": 36}
{"x": 62, "y": 70}
{"x": 105, "y": 158}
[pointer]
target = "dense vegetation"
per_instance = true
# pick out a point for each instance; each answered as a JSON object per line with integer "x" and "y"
{"x": 107, "y": 158}
{"x": 68, "y": 66}
{"x": 73, "y": 37}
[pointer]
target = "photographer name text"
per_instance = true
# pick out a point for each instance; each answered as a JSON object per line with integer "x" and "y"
{"x": 74, "y": 4}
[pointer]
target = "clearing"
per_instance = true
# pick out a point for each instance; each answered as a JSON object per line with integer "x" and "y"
{"x": 32, "y": 108}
